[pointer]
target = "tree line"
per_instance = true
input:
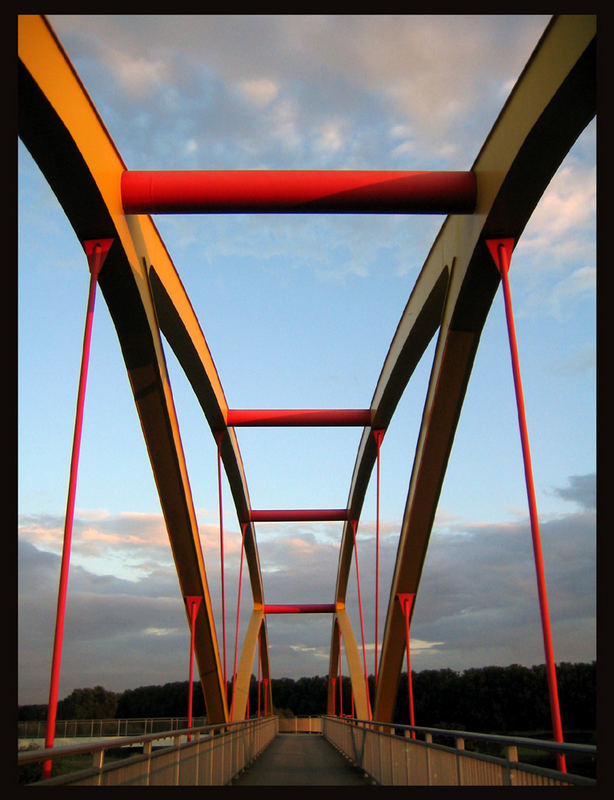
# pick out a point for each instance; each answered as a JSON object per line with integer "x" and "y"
{"x": 489, "y": 699}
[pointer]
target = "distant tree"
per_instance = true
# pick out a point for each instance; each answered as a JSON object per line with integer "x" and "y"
{"x": 32, "y": 712}
{"x": 510, "y": 699}
{"x": 577, "y": 685}
{"x": 169, "y": 700}
{"x": 91, "y": 703}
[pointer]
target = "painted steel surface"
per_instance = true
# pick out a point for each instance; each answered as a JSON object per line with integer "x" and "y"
{"x": 300, "y": 608}
{"x": 299, "y": 515}
{"x": 295, "y": 191}
{"x": 297, "y": 417}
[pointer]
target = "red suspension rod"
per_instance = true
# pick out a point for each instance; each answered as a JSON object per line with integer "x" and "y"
{"x": 298, "y": 417}
{"x": 300, "y": 515}
{"x": 96, "y": 251}
{"x": 298, "y": 191}
{"x": 501, "y": 251}
{"x": 301, "y": 608}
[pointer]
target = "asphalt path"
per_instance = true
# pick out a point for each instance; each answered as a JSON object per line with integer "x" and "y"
{"x": 301, "y": 760}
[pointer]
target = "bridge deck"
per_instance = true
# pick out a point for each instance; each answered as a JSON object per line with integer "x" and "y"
{"x": 301, "y": 760}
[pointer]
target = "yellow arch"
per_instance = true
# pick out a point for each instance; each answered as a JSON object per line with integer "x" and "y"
{"x": 66, "y": 137}
{"x": 551, "y": 104}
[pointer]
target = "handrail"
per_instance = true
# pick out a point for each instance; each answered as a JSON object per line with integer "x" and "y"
{"x": 438, "y": 764}
{"x": 32, "y": 756}
{"x": 521, "y": 741}
{"x": 205, "y": 755}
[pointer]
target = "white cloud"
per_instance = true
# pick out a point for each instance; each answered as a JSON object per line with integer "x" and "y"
{"x": 138, "y": 76}
{"x": 558, "y": 226}
{"x": 330, "y": 138}
{"x": 259, "y": 92}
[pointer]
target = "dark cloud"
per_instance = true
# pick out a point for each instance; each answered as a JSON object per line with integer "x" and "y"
{"x": 581, "y": 489}
{"x": 477, "y": 602}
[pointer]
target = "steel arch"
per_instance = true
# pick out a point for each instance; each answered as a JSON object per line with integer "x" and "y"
{"x": 551, "y": 104}
{"x": 64, "y": 134}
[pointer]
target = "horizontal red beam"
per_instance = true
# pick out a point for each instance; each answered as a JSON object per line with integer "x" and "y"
{"x": 302, "y": 608}
{"x": 298, "y": 191}
{"x": 298, "y": 515}
{"x": 298, "y": 417}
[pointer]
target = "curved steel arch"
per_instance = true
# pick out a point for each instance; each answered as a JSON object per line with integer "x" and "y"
{"x": 64, "y": 134}
{"x": 551, "y": 104}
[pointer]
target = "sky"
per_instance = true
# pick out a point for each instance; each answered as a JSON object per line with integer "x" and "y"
{"x": 299, "y": 312}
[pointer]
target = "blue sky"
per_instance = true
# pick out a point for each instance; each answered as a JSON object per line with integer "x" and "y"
{"x": 299, "y": 311}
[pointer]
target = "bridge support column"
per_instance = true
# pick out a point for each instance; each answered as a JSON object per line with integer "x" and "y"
{"x": 407, "y": 602}
{"x": 193, "y": 604}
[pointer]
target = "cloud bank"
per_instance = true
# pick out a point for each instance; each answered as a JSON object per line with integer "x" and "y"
{"x": 477, "y": 603}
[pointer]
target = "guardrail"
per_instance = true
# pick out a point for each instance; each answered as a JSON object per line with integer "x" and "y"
{"x": 131, "y": 726}
{"x": 391, "y": 759}
{"x": 211, "y": 755}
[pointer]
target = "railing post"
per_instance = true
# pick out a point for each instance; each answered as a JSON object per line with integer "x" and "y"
{"x": 511, "y": 754}
{"x": 406, "y": 735}
{"x": 177, "y": 754}
{"x": 428, "y": 738}
{"x": 459, "y": 746}
{"x": 147, "y": 752}
{"x": 97, "y": 762}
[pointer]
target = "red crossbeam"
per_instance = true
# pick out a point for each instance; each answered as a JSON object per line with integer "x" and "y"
{"x": 300, "y": 515}
{"x": 298, "y": 191}
{"x": 297, "y": 417}
{"x": 301, "y": 608}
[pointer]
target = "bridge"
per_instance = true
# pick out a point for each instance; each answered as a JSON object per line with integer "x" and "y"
{"x": 486, "y": 210}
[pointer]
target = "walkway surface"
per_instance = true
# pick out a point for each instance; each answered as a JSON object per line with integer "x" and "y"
{"x": 301, "y": 760}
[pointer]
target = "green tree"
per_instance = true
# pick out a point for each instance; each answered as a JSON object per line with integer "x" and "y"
{"x": 90, "y": 703}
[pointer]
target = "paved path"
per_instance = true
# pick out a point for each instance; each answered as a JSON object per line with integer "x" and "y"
{"x": 301, "y": 760}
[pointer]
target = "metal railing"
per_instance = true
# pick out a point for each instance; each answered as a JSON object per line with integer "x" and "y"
{"x": 399, "y": 760}
{"x": 131, "y": 726}
{"x": 211, "y": 755}
{"x": 300, "y": 725}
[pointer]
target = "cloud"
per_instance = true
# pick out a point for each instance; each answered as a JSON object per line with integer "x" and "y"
{"x": 478, "y": 591}
{"x": 568, "y": 205}
{"x": 477, "y": 602}
{"x": 140, "y": 76}
{"x": 582, "y": 360}
{"x": 581, "y": 489}
{"x": 259, "y": 92}
{"x": 311, "y": 77}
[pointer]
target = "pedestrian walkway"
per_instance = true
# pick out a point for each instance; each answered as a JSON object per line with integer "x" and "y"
{"x": 301, "y": 760}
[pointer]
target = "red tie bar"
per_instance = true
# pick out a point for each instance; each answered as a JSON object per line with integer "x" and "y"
{"x": 297, "y": 417}
{"x": 302, "y": 608}
{"x": 300, "y": 515}
{"x": 298, "y": 191}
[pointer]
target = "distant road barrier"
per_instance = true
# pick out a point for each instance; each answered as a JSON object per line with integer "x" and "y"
{"x": 131, "y": 726}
